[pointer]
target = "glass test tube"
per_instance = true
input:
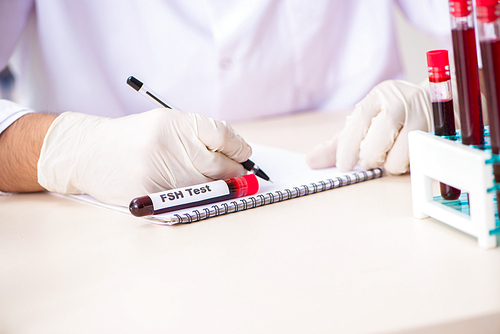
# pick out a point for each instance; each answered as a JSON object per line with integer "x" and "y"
{"x": 442, "y": 105}
{"x": 467, "y": 72}
{"x": 200, "y": 194}
{"x": 488, "y": 18}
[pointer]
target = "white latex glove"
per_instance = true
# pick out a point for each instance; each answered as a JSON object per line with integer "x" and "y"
{"x": 116, "y": 160}
{"x": 376, "y": 133}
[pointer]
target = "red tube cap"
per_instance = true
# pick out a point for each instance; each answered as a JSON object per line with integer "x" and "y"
{"x": 252, "y": 183}
{"x": 437, "y": 58}
{"x": 486, "y": 3}
{"x": 438, "y": 65}
{"x": 460, "y": 8}
{"x": 487, "y": 10}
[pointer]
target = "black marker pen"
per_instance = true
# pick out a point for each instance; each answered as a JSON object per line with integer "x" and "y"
{"x": 141, "y": 88}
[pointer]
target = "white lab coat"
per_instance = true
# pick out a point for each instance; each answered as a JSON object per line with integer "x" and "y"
{"x": 231, "y": 60}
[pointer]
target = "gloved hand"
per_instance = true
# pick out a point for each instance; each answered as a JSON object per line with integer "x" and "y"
{"x": 376, "y": 133}
{"x": 116, "y": 160}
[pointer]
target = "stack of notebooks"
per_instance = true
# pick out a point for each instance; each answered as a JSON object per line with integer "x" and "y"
{"x": 291, "y": 178}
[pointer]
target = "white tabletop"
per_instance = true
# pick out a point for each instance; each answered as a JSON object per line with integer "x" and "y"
{"x": 349, "y": 260}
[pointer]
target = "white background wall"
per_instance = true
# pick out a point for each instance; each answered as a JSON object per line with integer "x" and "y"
{"x": 413, "y": 46}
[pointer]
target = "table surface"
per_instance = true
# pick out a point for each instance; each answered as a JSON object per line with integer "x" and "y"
{"x": 349, "y": 260}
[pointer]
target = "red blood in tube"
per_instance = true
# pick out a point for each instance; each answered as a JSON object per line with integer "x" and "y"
{"x": 442, "y": 105}
{"x": 488, "y": 18}
{"x": 469, "y": 94}
{"x": 491, "y": 70}
{"x": 444, "y": 118}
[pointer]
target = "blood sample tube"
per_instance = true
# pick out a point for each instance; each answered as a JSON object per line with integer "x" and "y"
{"x": 465, "y": 55}
{"x": 201, "y": 194}
{"x": 442, "y": 104}
{"x": 488, "y": 18}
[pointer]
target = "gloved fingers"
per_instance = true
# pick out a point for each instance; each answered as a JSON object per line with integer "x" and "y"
{"x": 216, "y": 165}
{"x": 324, "y": 154}
{"x": 218, "y": 136}
{"x": 355, "y": 129}
{"x": 397, "y": 160}
{"x": 380, "y": 138}
{"x": 201, "y": 149}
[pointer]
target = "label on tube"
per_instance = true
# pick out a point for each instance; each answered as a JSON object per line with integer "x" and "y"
{"x": 190, "y": 194}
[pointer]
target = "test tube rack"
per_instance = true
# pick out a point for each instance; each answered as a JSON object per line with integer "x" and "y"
{"x": 463, "y": 167}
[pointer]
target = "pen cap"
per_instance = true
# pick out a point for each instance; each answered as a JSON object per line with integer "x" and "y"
{"x": 460, "y": 8}
{"x": 487, "y": 10}
{"x": 438, "y": 65}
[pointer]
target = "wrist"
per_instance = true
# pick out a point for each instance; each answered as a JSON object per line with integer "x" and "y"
{"x": 20, "y": 146}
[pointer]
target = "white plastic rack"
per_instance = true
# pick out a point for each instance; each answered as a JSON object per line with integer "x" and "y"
{"x": 463, "y": 167}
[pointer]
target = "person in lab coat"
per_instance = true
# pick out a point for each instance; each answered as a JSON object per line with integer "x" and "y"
{"x": 76, "y": 127}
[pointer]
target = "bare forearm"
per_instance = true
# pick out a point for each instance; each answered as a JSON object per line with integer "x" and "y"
{"x": 20, "y": 146}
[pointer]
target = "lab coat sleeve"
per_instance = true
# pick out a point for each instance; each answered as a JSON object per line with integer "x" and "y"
{"x": 10, "y": 112}
{"x": 13, "y": 17}
{"x": 431, "y": 17}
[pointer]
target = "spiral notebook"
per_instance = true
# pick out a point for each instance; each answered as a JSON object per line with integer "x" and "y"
{"x": 291, "y": 177}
